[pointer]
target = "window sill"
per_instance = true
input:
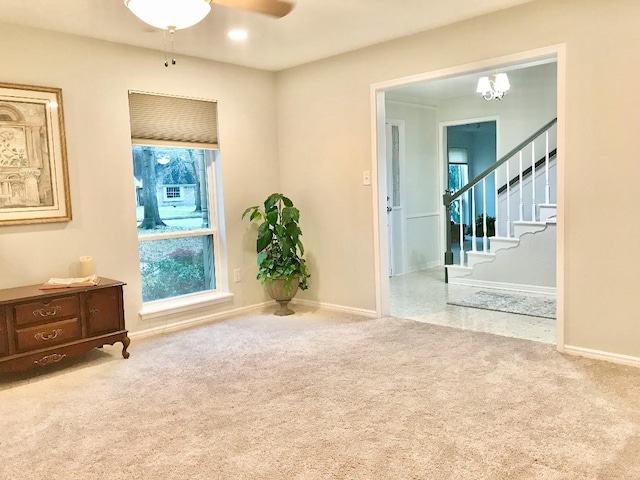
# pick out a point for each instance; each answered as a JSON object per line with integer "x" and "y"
{"x": 162, "y": 308}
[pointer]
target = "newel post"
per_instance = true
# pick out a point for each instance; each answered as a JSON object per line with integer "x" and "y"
{"x": 448, "y": 254}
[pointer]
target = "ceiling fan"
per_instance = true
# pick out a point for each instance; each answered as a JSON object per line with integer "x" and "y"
{"x": 174, "y": 15}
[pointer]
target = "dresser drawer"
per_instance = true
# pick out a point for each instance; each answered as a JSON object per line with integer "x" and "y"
{"x": 46, "y": 310}
{"x": 42, "y": 336}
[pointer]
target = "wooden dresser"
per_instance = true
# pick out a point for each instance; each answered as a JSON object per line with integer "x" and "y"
{"x": 45, "y": 327}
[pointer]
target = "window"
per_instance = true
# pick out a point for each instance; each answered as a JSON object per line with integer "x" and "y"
{"x": 176, "y": 241}
{"x": 395, "y": 165}
{"x": 172, "y": 193}
{"x": 177, "y": 202}
{"x": 458, "y": 178}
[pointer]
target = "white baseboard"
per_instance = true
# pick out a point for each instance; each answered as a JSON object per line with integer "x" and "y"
{"x": 515, "y": 287}
{"x": 336, "y": 308}
{"x": 201, "y": 320}
{"x": 600, "y": 355}
{"x": 424, "y": 266}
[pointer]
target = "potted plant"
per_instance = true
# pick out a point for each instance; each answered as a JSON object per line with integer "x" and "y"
{"x": 491, "y": 226}
{"x": 281, "y": 267}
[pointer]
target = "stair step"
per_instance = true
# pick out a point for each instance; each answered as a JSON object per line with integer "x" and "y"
{"x": 520, "y": 228}
{"x": 547, "y": 210}
{"x": 473, "y": 258}
{"x": 499, "y": 243}
{"x": 458, "y": 270}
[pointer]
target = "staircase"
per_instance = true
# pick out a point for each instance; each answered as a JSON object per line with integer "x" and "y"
{"x": 511, "y": 243}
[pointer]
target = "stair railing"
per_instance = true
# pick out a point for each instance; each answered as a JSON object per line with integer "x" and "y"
{"x": 481, "y": 181}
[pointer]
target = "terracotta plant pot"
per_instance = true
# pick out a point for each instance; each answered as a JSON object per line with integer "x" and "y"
{"x": 282, "y": 292}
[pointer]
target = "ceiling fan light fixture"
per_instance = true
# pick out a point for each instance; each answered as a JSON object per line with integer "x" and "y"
{"x": 169, "y": 14}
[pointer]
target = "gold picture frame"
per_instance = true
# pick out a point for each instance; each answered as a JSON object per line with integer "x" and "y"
{"x": 34, "y": 177}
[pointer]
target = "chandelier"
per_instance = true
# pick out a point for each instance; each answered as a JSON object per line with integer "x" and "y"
{"x": 169, "y": 15}
{"x": 494, "y": 87}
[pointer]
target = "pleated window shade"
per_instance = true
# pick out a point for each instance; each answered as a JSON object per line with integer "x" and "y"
{"x": 165, "y": 120}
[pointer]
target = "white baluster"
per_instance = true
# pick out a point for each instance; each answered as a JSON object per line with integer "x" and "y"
{"x": 484, "y": 215}
{"x": 497, "y": 183}
{"x": 473, "y": 216}
{"x": 461, "y": 233}
{"x": 508, "y": 201}
{"x": 533, "y": 181}
{"x": 547, "y": 189}
{"x": 520, "y": 179}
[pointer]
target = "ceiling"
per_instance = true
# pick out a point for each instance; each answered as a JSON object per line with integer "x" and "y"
{"x": 434, "y": 91}
{"x": 315, "y": 29}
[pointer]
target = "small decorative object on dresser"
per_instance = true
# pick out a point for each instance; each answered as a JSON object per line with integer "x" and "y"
{"x": 43, "y": 327}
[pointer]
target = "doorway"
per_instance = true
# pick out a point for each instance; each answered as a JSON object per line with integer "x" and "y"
{"x": 469, "y": 147}
{"x": 381, "y": 93}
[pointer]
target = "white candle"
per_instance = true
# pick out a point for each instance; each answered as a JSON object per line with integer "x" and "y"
{"x": 86, "y": 266}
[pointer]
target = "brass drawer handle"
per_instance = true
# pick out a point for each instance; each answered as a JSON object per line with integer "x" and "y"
{"x": 48, "y": 336}
{"x": 47, "y": 312}
{"x": 94, "y": 312}
{"x": 47, "y": 359}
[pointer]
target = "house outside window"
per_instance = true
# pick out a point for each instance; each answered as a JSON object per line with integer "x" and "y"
{"x": 178, "y": 201}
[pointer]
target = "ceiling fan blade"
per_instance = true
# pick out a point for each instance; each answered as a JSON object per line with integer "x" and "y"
{"x": 275, "y": 8}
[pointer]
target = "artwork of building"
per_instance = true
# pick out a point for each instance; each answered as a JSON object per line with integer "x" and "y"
{"x": 25, "y": 180}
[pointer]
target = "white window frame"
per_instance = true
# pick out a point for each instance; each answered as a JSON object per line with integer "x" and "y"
{"x": 220, "y": 294}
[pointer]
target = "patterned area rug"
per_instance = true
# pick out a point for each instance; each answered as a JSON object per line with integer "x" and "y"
{"x": 510, "y": 302}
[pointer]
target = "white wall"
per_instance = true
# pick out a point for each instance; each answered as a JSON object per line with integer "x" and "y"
{"x": 422, "y": 186}
{"x": 324, "y": 131}
{"x": 95, "y": 78}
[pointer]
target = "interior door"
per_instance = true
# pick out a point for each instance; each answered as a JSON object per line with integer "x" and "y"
{"x": 395, "y": 209}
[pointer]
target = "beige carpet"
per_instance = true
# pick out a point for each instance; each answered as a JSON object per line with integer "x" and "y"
{"x": 322, "y": 396}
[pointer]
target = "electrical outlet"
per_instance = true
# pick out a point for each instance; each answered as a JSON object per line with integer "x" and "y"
{"x": 236, "y": 275}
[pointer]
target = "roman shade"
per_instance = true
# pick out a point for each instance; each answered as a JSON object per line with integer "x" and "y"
{"x": 166, "y": 120}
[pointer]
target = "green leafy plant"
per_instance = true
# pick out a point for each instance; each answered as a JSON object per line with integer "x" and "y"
{"x": 278, "y": 244}
{"x": 181, "y": 272}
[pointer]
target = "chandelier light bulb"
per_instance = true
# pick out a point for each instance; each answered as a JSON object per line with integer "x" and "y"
{"x": 501, "y": 82}
{"x": 484, "y": 86}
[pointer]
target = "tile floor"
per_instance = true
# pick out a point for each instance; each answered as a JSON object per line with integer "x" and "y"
{"x": 423, "y": 296}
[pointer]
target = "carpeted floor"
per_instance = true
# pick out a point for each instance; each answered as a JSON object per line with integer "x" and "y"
{"x": 510, "y": 302}
{"x": 324, "y": 396}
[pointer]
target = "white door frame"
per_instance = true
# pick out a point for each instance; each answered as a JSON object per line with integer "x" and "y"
{"x": 379, "y": 180}
{"x": 442, "y": 155}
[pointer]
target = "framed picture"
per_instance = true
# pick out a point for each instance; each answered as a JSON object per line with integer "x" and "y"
{"x": 34, "y": 180}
